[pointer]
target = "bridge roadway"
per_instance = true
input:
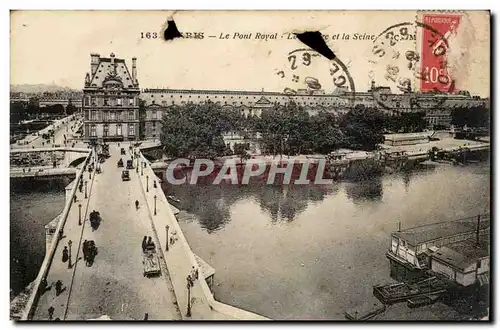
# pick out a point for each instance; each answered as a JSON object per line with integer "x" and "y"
{"x": 114, "y": 285}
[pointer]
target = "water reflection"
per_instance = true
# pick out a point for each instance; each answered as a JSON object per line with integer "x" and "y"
{"x": 212, "y": 203}
{"x": 368, "y": 190}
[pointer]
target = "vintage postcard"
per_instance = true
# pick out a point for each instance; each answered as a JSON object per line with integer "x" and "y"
{"x": 274, "y": 165}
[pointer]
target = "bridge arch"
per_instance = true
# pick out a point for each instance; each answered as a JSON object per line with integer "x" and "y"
{"x": 77, "y": 161}
{"x": 150, "y": 157}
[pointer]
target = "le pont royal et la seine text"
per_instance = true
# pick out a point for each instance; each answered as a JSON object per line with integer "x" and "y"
{"x": 260, "y": 36}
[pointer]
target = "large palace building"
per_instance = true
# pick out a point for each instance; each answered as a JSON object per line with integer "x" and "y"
{"x": 111, "y": 102}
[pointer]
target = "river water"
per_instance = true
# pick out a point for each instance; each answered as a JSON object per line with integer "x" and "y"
{"x": 32, "y": 206}
{"x": 311, "y": 252}
{"x": 288, "y": 252}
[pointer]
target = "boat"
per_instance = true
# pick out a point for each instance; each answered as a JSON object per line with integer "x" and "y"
{"x": 174, "y": 201}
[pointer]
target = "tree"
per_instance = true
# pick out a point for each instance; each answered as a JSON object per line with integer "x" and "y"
{"x": 472, "y": 116}
{"x": 363, "y": 128}
{"x": 325, "y": 133}
{"x": 241, "y": 149}
{"x": 70, "y": 108}
{"x": 194, "y": 130}
{"x": 285, "y": 129}
{"x": 17, "y": 112}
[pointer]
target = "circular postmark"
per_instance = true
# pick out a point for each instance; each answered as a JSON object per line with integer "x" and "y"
{"x": 309, "y": 73}
{"x": 400, "y": 63}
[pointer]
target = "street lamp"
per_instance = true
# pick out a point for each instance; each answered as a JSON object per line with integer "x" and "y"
{"x": 155, "y": 204}
{"x": 188, "y": 314}
{"x": 166, "y": 228}
{"x": 142, "y": 170}
{"x": 79, "y": 214}
{"x": 69, "y": 261}
{"x": 85, "y": 188}
{"x": 147, "y": 187}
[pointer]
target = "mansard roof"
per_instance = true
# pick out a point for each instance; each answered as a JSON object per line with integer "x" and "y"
{"x": 107, "y": 75}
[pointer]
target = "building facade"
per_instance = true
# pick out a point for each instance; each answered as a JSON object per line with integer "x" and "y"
{"x": 111, "y": 100}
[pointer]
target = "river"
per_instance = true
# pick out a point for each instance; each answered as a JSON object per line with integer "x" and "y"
{"x": 288, "y": 252}
{"x": 295, "y": 252}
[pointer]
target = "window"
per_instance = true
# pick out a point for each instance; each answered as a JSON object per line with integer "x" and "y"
{"x": 131, "y": 101}
{"x": 93, "y": 131}
{"x": 131, "y": 115}
{"x": 106, "y": 101}
{"x": 106, "y": 130}
{"x": 105, "y": 115}
{"x": 112, "y": 115}
{"x": 119, "y": 129}
{"x": 93, "y": 115}
{"x": 86, "y": 100}
{"x": 153, "y": 114}
{"x": 92, "y": 100}
{"x": 131, "y": 129}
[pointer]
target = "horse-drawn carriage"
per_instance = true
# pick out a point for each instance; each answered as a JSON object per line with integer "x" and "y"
{"x": 150, "y": 261}
{"x": 120, "y": 163}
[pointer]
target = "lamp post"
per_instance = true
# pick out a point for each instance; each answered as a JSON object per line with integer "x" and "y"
{"x": 85, "y": 188}
{"x": 166, "y": 228}
{"x": 69, "y": 254}
{"x": 142, "y": 170}
{"x": 79, "y": 214}
{"x": 155, "y": 204}
{"x": 147, "y": 186}
{"x": 188, "y": 314}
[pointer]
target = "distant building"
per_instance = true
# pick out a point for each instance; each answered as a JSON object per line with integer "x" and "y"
{"x": 111, "y": 100}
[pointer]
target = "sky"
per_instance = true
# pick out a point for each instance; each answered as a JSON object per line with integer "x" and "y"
{"x": 53, "y": 47}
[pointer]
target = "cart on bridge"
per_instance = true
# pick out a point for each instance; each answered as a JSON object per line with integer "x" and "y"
{"x": 150, "y": 262}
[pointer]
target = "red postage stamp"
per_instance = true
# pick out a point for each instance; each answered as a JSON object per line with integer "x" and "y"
{"x": 435, "y": 46}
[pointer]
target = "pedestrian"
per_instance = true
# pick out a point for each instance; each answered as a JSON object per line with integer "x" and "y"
{"x": 190, "y": 281}
{"x": 58, "y": 287}
{"x": 150, "y": 244}
{"x": 146, "y": 316}
{"x": 85, "y": 250}
{"x": 136, "y": 204}
{"x": 65, "y": 254}
{"x": 51, "y": 313}
{"x": 144, "y": 243}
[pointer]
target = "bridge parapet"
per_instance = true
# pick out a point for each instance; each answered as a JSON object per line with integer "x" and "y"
{"x": 49, "y": 256}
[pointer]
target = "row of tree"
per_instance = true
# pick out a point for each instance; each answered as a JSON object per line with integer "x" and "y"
{"x": 30, "y": 110}
{"x": 476, "y": 116}
{"x": 196, "y": 130}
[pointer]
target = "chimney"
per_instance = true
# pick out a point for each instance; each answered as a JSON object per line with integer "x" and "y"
{"x": 134, "y": 70}
{"x": 94, "y": 63}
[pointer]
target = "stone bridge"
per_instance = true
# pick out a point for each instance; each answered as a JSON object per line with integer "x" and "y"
{"x": 65, "y": 156}
{"x": 114, "y": 284}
